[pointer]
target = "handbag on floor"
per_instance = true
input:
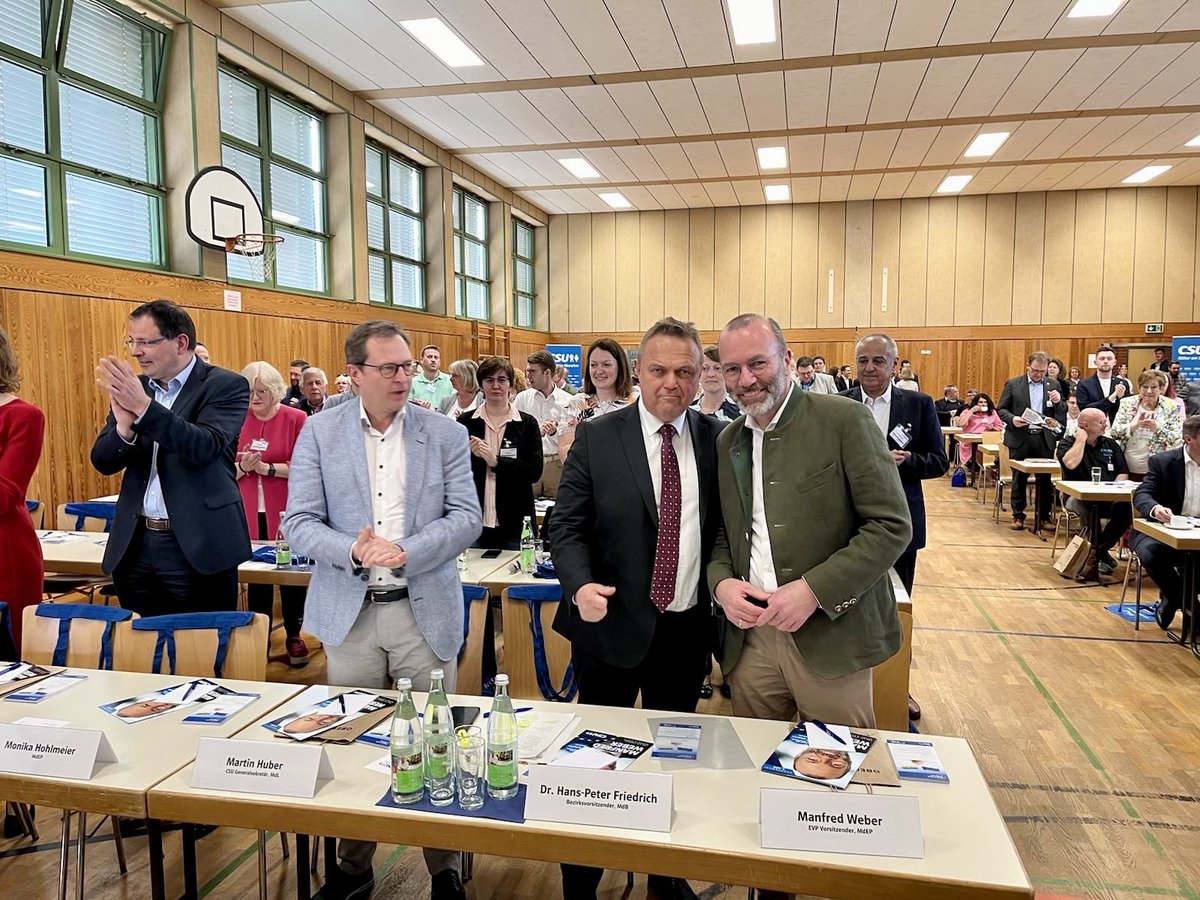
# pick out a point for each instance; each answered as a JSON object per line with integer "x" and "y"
{"x": 959, "y": 478}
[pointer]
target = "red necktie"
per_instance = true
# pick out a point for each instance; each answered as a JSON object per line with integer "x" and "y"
{"x": 666, "y": 551}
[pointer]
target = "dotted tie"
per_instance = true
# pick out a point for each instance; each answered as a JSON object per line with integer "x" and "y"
{"x": 666, "y": 550}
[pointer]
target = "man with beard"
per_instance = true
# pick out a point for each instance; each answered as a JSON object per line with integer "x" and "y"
{"x": 809, "y": 610}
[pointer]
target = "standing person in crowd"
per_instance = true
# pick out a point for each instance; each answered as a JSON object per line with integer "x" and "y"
{"x": 1070, "y": 381}
{"x": 907, "y": 364}
{"x": 1072, "y": 423}
{"x": 1177, "y": 380}
{"x": 203, "y": 354}
{"x": 1079, "y": 454}
{"x": 294, "y": 395}
{"x": 1147, "y": 423}
{"x": 810, "y": 379}
{"x": 467, "y": 396}
{"x": 1056, "y": 370}
{"x": 548, "y": 405}
{"x": 976, "y": 419}
{"x": 346, "y": 396}
{"x": 819, "y": 365}
{"x": 343, "y": 384}
{"x": 381, "y": 497}
{"x": 807, "y": 617}
{"x": 842, "y": 379}
{"x": 1025, "y": 441}
{"x": 1162, "y": 360}
{"x": 1105, "y": 390}
{"x": 950, "y": 405}
{"x": 506, "y": 457}
{"x": 560, "y": 380}
{"x": 634, "y": 527}
{"x": 906, "y": 380}
{"x": 1123, "y": 371}
{"x": 22, "y": 429}
{"x": 607, "y": 385}
{"x": 179, "y": 531}
{"x": 714, "y": 398}
{"x": 313, "y": 384}
{"x": 266, "y": 442}
{"x": 432, "y": 385}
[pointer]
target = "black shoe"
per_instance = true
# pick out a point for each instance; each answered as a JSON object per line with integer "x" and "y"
{"x": 914, "y": 709}
{"x": 669, "y": 888}
{"x": 447, "y": 885}
{"x": 341, "y": 885}
{"x": 1106, "y": 559}
{"x": 725, "y": 692}
{"x": 1164, "y": 614}
{"x": 706, "y": 692}
{"x": 1105, "y": 568}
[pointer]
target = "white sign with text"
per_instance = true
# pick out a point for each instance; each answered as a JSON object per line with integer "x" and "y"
{"x": 57, "y": 752}
{"x": 640, "y": 800}
{"x": 869, "y": 824}
{"x": 260, "y": 767}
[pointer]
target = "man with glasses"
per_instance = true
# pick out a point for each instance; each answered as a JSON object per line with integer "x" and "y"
{"x": 180, "y": 531}
{"x": 547, "y": 404}
{"x": 1025, "y": 440}
{"x": 381, "y": 495}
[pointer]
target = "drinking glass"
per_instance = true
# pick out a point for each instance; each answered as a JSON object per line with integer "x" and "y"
{"x": 470, "y": 756}
{"x": 1096, "y": 475}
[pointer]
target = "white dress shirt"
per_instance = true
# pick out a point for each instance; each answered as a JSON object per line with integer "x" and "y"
{"x": 687, "y": 576}
{"x": 386, "y": 471}
{"x": 762, "y": 560}
{"x": 1191, "y": 486}
{"x": 881, "y": 408}
{"x": 545, "y": 409}
{"x": 154, "y": 505}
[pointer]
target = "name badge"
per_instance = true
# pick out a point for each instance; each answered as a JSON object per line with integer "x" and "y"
{"x": 508, "y": 452}
{"x": 58, "y": 752}
{"x": 900, "y": 435}
{"x": 640, "y": 800}
{"x": 260, "y": 767}
{"x": 258, "y": 445}
{"x": 868, "y": 824}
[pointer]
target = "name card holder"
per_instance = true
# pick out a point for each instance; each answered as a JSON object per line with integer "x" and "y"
{"x": 260, "y": 767}
{"x": 53, "y": 752}
{"x": 639, "y": 800}
{"x": 867, "y": 824}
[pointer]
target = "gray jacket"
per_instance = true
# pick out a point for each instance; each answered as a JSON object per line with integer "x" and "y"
{"x": 329, "y": 500}
{"x": 1189, "y": 396}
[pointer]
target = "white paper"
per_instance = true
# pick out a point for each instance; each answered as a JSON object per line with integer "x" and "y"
{"x": 820, "y": 740}
{"x": 675, "y": 740}
{"x": 837, "y": 822}
{"x": 61, "y": 537}
{"x": 538, "y": 731}
{"x": 43, "y": 723}
{"x": 233, "y": 301}
{"x": 53, "y": 751}
{"x": 279, "y": 768}
{"x": 383, "y": 764}
{"x": 636, "y": 800}
{"x": 900, "y": 435}
{"x": 47, "y": 687}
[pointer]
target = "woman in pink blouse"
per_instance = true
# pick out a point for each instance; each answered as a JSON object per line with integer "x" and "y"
{"x": 977, "y": 419}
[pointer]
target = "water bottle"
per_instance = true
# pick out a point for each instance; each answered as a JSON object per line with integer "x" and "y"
{"x": 283, "y": 550}
{"x": 528, "y": 551}
{"x": 408, "y": 771}
{"x": 463, "y": 561}
{"x": 438, "y": 737}
{"x": 502, "y": 744}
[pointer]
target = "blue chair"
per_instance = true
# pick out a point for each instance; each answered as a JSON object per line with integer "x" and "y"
{"x": 92, "y": 509}
{"x": 476, "y": 637}
{"x": 37, "y": 512}
{"x": 188, "y": 640}
{"x": 68, "y": 634}
{"x": 532, "y": 650}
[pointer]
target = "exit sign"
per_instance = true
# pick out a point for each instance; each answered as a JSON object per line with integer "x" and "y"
{"x": 1154, "y": 328}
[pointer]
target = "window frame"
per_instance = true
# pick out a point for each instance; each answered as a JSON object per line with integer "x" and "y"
{"x": 531, "y": 294}
{"x": 461, "y": 238}
{"x": 389, "y": 257}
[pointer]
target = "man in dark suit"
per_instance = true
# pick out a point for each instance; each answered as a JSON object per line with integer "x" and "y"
{"x": 636, "y": 517}
{"x": 1035, "y": 391}
{"x": 1171, "y": 488}
{"x": 1162, "y": 362}
{"x": 1105, "y": 389}
{"x": 180, "y": 530}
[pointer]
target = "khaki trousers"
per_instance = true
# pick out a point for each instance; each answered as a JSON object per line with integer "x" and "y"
{"x": 547, "y": 485}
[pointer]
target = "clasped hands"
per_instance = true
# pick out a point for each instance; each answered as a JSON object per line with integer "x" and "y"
{"x": 372, "y": 550}
{"x": 788, "y": 607}
{"x": 480, "y": 448}
{"x": 251, "y": 461}
{"x": 126, "y": 397}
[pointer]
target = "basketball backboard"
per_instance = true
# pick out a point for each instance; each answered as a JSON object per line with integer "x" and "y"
{"x": 221, "y": 205}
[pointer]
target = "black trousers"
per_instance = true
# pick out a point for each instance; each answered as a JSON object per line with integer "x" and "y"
{"x": 261, "y": 597}
{"x": 154, "y": 578}
{"x": 906, "y": 568}
{"x": 669, "y": 677}
{"x": 1165, "y": 566}
{"x": 1120, "y": 517}
{"x": 1020, "y": 485}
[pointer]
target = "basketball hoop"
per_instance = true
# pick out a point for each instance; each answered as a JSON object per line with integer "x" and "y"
{"x": 257, "y": 252}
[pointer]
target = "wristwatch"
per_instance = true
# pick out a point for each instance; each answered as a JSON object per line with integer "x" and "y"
{"x": 271, "y": 470}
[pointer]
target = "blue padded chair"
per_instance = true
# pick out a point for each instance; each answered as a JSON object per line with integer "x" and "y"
{"x": 35, "y": 633}
{"x": 223, "y": 624}
{"x": 527, "y": 609}
{"x": 476, "y": 639}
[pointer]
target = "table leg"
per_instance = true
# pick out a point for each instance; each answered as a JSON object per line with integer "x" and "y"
{"x": 1189, "y": 632}
{"x": 330, "y": 856}
{"x": 64, "y": 854}
{"x": 188, "y": 837}
{"x": 303, "y": 878}
{"x": 80, "y": 853}
{"x": 262, "y": 865}
{"x": 154, "y": 847}
{"x": 1036, "y": 528}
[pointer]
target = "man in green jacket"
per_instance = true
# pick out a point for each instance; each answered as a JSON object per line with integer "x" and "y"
{"x": 814, "y": 517}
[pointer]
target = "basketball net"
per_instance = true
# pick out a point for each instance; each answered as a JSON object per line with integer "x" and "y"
{"x": 258, "y": 252}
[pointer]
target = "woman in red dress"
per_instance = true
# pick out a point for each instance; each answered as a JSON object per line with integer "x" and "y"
{"x": 21, "y": 429}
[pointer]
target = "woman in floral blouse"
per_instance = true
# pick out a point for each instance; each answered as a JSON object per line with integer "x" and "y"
{"x": 607, "y": 385}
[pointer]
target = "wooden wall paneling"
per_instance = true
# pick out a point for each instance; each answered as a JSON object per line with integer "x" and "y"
{"x": 831, "y": 255}
{"x": 752, "y": 266}
{"x": 700, "y": 267}
{"x": 1180, "y": 249}
{"x": 1148, "y": 255}
{"x": 998, "y": 259}
{"x": 653, "y": 268}
{"x": 1117, "y": 292}
{"x": 581, "y": 272}
{"x": 1059, "y": 263}
{"x": 1087, "y": 272}
{"x": 943, "y": 230}
{"x": 676, "y": 250}
{"x": 857, "y": 298}
{"x": 627, "y": 259}
{"x": 604, "y": 272}
{"x": 1029, "y": 246}
{"x": 778, "y": 285}
{"x": 968, "y": 260}
{"x": 914, "y": 253}
{"x": 726, "y": 260}
{"x": 1195, "y": 316}
{"x": 808, "y": 282}
{"x": 559, "y": 293}
{"x": 885, "y": 254}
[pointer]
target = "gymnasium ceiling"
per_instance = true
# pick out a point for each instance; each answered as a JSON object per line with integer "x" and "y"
{"x": 873, "y": 99}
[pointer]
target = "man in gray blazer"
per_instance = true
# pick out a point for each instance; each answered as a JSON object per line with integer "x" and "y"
{"x": 381, "y": 497}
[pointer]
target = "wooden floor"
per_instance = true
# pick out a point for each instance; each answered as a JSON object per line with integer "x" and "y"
{"x": 1088, "y": 732}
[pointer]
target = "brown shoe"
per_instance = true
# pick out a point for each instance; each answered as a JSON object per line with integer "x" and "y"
{"x": 1017, "y": 524}
{"x": 914, "y": 709}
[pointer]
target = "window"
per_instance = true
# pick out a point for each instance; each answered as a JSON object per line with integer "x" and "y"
{"x": 276, "y": 144}
{"x": 80, "y": 130}
{"x": 471, "y": 286}
{"x": 395, "y": 230}
{"x": 523, "y": 289}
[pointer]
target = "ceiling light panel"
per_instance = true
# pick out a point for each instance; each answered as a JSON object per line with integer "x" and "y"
{"x": 986, "y": 144}
{"x": 1088, "y": 9}
{"x": 952, "y": 184}
{"x": 777, "y": 193}
{"x": 753, "y": 21}
{"x": 579, "y": 167}
{"x": 1141, "y": 176}
{"x": 442, "y": 42}
{"x": 616, "y": 200}
{"x": 1194, "y": 142}
{"x": 772, "y": 157}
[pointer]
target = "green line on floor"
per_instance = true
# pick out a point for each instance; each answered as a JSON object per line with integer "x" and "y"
{"x": 213, "y": 883}
{"x": 1106, "y": 886}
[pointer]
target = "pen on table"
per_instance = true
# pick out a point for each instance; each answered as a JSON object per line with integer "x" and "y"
{"x": 519, "y": 709}
{"x": 825, "y": 728}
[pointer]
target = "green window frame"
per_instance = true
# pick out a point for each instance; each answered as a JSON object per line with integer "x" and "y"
{"x": 277, "y": 144}
{"x": 472, "y": 287}
{"x": 81, "y": 145}
{"x": 395, "y": 229}
{"x": 524, "y": 289}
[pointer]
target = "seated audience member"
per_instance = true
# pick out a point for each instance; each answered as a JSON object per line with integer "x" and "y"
{"x": 203, "y": 354}
{"x": 1072, "y": 422}
{"x": 976, "y": 419}
{"x": 560, "y": 380}
{"x": 506, "y": 457}
{"x": 344, "y": 384}
{"x": 1147, "y": 423}
{"x": 346, "y": 396}
{"x": 949, "y": 406}
{"x": 1079, "y": 454}
{"x": 548, "y": 405}
{"x": 264, "y": 459}
{"x": 714, "y": 399}
{"x": 810, "y": 379}
{"x": 1171, "y": 488}
{"x": 313, "y": 383}
{"x": 607, "y": 385}
{"x": 466, "y": 396}
{"x": 294, "y": 394}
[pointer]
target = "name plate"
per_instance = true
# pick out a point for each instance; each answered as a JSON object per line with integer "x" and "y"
{"x": 260, "y": 767}
{"x": 869, "y": 824}
{"x": 640, "y": 800}
{"x": 58, "y": 752}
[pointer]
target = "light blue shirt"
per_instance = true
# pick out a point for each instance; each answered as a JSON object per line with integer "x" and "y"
{"x": 154, "y": 505}
{"x": 1037, "y": 395}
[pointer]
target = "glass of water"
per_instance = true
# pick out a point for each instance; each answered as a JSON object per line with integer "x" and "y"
{"x": 1096, "y": 475}
{"x": 470, "y": 756}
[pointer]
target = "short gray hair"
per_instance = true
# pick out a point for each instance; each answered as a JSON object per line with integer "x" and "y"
{"x": 266, "y": 375}
{"x": 672, "y": 327}
{"x": 885, "y": 339}
{"x": 313, "y": 370}
{"x": 466, "y": 369}
{"x": 745, "y": 320}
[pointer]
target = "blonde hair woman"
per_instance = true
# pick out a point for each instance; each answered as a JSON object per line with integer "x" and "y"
{"x": 1148, "y": 423}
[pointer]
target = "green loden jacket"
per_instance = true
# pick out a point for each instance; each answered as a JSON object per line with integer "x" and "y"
{"x": 837, "y": 517}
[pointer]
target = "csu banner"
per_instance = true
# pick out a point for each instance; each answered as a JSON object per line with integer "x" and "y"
{"x": 570, "y": 357}
{"x": 1187, "y": 351}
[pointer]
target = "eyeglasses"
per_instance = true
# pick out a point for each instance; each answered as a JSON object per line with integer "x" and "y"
{"x": 755, "y": 366}
{"x": 140, "y": 344}
{"x": 389, "y": 370}
{"x": 500, "y": 381}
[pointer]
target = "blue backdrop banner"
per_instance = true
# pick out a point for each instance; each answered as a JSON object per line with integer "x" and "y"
{"x": 1187, "y": 351}
{"x": 570, "y": 357}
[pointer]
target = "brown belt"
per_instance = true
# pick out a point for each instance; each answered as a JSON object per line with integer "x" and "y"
{"x": 156, "y": 524}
